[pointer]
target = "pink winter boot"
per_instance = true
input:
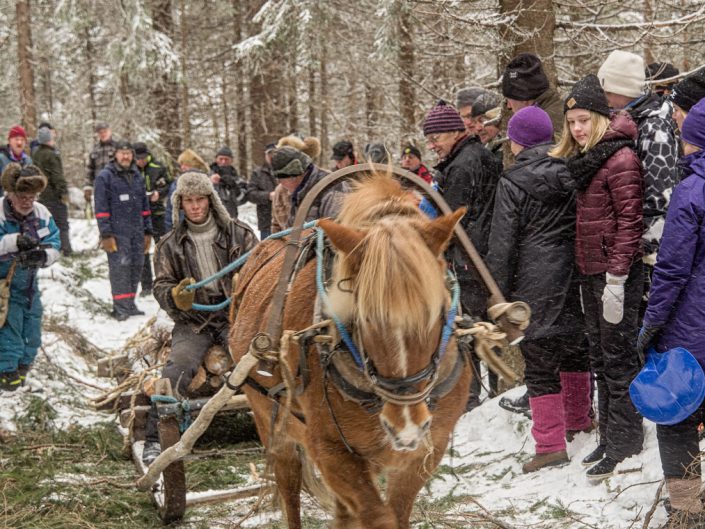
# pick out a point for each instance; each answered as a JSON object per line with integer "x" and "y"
{"x": 548, "y": 431}
{"x": 577, "y": 404}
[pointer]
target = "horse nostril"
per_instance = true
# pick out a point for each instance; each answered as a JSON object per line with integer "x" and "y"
{"x": 387, "y": 426}
{"x": 426, "y": 426}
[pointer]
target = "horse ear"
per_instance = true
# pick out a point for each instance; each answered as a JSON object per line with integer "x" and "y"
{"x": 437, "y": 233}
{"x": 343, "y": 238}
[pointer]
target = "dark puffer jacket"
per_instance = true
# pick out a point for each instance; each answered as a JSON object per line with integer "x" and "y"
{"x": 532, "y": 242}
{"x": 261, "y": 184}
{"x": 231, "y": 189}
{"x": 175, "y": 259}
{"x": 610, "y": 211}
{"x": 469, "y": 176}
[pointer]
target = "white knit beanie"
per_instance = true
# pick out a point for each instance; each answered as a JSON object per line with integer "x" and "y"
{"x": 623, "y": 73}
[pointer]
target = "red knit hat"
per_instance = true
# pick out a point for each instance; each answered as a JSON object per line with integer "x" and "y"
{"x": 16, "y": 131}
{"x": 442, "y": 118}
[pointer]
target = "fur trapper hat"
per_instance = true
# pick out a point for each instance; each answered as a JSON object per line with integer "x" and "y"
{"x": 310, "y": 146}
{"x": 193, "y": 160}
{"x": 18, "y": 179}
{"x": 197, "y": 184}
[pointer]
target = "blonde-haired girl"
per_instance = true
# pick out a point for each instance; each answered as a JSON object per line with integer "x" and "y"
{"x": 599, "y": 147}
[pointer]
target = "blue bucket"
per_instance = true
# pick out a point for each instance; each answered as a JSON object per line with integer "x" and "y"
{"x": 670, "y": 386}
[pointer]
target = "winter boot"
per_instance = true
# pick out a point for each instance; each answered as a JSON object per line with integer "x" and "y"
{"x": 150, "y": 452}
{"x": 594, "y": 456}
{"x": 603, "y": 469}
{"x": 10, "y": 381}
{"x": 548, "y": 431}
{"x": 518, "y": 405}
{"x": 686, "y": 506}
{"x": 22, "y": 370}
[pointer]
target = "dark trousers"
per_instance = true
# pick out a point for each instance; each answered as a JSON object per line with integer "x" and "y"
{"x": 473, "y": 298}
{"x": 263, "y": 234}
{"x": 679, "y": 447}
{"x": 614, "y": 362}
{"x": 545, "y": 358}
{"x": 188, "y": 348}
{"x": 158, "y": 229}
{"x": 124, "y": 270}
{"x": 60, "y": 212}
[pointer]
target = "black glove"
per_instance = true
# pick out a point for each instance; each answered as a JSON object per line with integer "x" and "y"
{"x": 646, "y": 336}
{"x": 32, "y": 258}
{"x": 25, "y": 242}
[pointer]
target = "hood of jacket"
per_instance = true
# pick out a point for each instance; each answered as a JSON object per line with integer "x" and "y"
{"x": 693, "y": 164}
{"x": 621, "y": 126}
{"x": 543, "y": 177}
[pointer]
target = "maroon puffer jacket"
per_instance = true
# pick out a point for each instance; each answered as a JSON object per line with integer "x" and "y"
{"x": 609, "y": 212}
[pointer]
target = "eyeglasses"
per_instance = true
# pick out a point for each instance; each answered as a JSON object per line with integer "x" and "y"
{"x": 433, "y": 139}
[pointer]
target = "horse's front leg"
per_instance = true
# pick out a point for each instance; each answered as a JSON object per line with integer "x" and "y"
{"x": 359, "y": 504}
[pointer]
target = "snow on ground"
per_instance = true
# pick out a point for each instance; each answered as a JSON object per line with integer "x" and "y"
{"x": 488, "y": 447}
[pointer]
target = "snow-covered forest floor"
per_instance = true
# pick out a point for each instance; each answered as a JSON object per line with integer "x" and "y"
{"x": 62, "y": 462}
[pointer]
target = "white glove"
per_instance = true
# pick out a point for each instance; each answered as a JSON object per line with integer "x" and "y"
{"x": 613, "y": 298}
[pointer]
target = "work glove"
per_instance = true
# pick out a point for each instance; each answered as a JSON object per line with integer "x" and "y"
{"x": 613, "y": 298}
{"x": 88, "y": 194}
{"x": 183, "y": 299}
{"x": 32, "y": 258}
{"x": 109, "y": 244}
{"x": 647, "y": 334}
{"x": 26, "y": 242}
{"x": 147, "y": 243}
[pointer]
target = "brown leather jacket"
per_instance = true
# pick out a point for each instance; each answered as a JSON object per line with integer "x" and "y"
{"x": 175, "y": 260}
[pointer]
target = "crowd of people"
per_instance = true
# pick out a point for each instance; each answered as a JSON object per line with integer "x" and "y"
{"x": 588, "y": 207}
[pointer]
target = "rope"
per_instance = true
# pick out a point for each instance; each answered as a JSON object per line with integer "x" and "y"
{"x": 185, "y": 419}
{"x": 450, "y": 319}
{"x": 237, "y": 263}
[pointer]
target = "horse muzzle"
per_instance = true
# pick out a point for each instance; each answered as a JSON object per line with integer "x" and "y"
{"x": 409, "y": 436}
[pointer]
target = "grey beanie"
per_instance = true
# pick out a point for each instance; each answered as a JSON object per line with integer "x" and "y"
{"x": 465, "y": 97}
{"x": 198, "y": 184}
{"x": 288, "y": 162}
{"x": 484, "y": 103}
{"x": 44, "y": 136}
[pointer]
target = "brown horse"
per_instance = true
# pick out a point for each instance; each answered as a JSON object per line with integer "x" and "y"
{"x": 388, "y": 286}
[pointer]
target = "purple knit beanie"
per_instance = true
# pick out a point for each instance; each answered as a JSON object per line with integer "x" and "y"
{"x": 530, "y": 126}
{"x": 693, "y": 129}
{"x": 442, "y": 118}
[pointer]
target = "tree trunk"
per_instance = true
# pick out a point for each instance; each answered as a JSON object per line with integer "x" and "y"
{"x": 165, "y": 92}
{"x": 532, "y": 31}
{"x": 90, "y": 50}
{"x": 293, "y": 96}
{"x": 185, "y": 116}
{"x": 312, "y": 127}
{"x": 407, "y": 101}
{"x": 226, "y": 111}
{"x": 325, "y": 103}
{"x": 370, "y": 109}
{"x": 28, "y": 102}
{"x": 648, "y": 40}
{"x": 240, "y": 93}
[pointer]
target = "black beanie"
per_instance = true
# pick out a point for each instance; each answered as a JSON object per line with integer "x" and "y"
{"x": 588, "y": 94}
{"x": 524, "y": 78}
{"x": 690, "y": 90}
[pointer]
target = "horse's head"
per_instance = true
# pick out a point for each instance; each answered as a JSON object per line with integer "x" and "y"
{"x": 389, "y": 286}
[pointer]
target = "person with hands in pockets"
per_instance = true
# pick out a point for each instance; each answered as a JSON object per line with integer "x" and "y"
{"x": 124, "y": 221}
{"x": 29, "y": 239}
{"x": 675, "y": 317}
{"x": 601, "y": 157}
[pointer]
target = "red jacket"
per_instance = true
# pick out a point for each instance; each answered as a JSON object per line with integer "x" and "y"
{"x": 609, "y": 212}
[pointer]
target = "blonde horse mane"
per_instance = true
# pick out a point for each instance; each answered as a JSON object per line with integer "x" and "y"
{"x": 399, "y": 284}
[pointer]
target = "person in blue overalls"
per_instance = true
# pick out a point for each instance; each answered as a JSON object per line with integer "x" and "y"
{"x": 124, "y": 221}
{"x": 29, "y": 239}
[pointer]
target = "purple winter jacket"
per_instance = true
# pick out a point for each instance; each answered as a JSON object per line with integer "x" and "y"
{"x": 678, "y": 286}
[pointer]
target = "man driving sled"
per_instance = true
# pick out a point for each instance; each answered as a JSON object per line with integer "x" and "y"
{"x": 204, "y": 242}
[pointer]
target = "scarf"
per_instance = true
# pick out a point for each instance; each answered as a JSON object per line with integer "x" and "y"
{"x": 584, "y": 166}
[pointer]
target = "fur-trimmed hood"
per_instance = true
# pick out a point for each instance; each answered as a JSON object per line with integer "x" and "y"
{"x": 28, "y": 179}
{"x": 196, "y": 183}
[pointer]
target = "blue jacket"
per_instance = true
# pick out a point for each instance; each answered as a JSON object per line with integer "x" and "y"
{"x": 41, "y": 226}
{"x": 121, "y": 203}
{"x": 678, "y": 285}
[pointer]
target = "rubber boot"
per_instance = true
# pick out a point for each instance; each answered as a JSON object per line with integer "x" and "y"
{"x": 577, "y": 403}
{"x": 548, "y": 431}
